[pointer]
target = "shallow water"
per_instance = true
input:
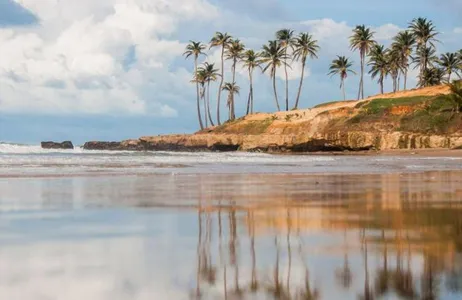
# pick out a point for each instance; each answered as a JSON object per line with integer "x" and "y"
{"x": 229, "y": 226}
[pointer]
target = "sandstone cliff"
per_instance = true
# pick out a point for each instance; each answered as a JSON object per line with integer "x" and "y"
{"x": 423, "y": 118}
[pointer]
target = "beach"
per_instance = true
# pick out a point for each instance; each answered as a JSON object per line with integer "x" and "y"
{"x": 129, "y": 225}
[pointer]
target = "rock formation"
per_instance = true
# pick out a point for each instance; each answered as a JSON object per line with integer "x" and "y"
{"x": 54, "y": 145}
{"x": 414, "y": 119}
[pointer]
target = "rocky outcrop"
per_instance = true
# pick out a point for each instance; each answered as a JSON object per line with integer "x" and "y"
{"x": 53, "y": 145}
{"x": 128, "y": 145}
{"x": 340, "y": 141}
{"x": 380, "y": 124}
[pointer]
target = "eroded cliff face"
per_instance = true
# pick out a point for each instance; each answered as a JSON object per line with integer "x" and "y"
{"x": 395, "y": 122}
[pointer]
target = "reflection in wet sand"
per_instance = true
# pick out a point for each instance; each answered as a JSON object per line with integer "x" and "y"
{"x": 409, "y": 225}
{"x": 260, "y": 236}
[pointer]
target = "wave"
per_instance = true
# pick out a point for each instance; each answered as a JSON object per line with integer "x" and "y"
{"x": 15, "y": 148}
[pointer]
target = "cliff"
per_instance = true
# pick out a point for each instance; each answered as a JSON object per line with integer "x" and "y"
{"x": 417, "y": 119}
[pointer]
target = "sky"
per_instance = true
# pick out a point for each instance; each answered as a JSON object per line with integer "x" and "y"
{"x": 113, "y": 69}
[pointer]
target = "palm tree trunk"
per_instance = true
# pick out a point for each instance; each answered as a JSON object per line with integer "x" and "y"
{"x": 399, "y": 81}
{"x": 205, "y": 108}
{"x": 301, "y": 83}
{"x": 233, "y": 113}
{"x": 274, "y": 88}
{"x": 208, "y": 104}
{"x": 360, "y": 92}
{"x": 405, "y": 79}
{"x": 381, "y": 85}
{"x": 220, "y": 87}
{"x": 198, "y": 99}
{"x": 251, "y": 93}
{"x": 343, "y": 89}
{"x": 287, "y": 82}
{"x": 449, "y": 77}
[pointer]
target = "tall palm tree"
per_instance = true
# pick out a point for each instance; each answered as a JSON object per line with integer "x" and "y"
{"x": 424, "y": 58}
{"x": 456, "y": 89}
{"x": 233, "y": 52}
{"x": 211, "y": 75}
{"x": 273, "y": 55}
{"x": 425, "y": 35}
{"x": 394, "y": 67}
{"x": 251, "y": 60}
{"x": 304, "y": 46}
{"x": 450, "y": 63}
{"x": 201, "y": 78}
{"x": 431, "y": 76}
{"x": 459, "y": 54}
{"x": 195, "y": 49}
{"x": 362, "y": 40}
{"x": 403, "y": 43}
{"x": 341, "y": 66}
{"x": 220, "y": 40}
{"x": 233, "y": 89}
{"x": 379, "y": 64}
{"x": 286, "y": 39}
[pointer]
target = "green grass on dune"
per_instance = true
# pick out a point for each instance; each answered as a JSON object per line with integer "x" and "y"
{"x": 432, "y": 114}
{"x": 332, "y": 102}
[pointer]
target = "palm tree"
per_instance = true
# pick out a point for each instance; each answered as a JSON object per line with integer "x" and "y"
{"x": 233, "y": 51}
{"x": 431, "y": 76}
{"x": 201, "y": 78}
{"x": 273, "y": 55}
{"x": 425, "y": 35}
{"x": 459, "y": 54}
{"x": 220, "y": 40}
{"x": 232, "y": 89}
{"x": 285, "y": 38}
{"x": 304, "y": 46}
{"x": 394, "y": 67}
{"x": 379, "y": 64}
{"x": 341, "y": 66}
{"x": 403, "y": 43}
{"x": 251, "y": 60}
{"x": 424, "y": 58}
{"x": 456, "y": 89}
{"x": 450, "y": 63}
{"x": 196, "y": 49}
{"x": 362, "y": 40}
{"x": 211, "y": 75}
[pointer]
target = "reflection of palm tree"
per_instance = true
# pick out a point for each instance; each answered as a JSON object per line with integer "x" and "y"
{"x": 383, "y": 276}
{"x": 276, "y": 288}
{"x": 368, "y": 293}
{"x": 430, "y": 282}
{"x": 307, "y": 293}
{"x": 289, "y": 251}
{"x": 208, "y": 271}
{"x": 344, "y": 275}
{"x": 254, "y": 280}
{"x": 199, "y": 245}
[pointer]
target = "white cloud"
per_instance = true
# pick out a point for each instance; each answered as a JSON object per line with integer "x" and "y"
{"x": 458, "y": 30}
{"x": 75, "y": 61}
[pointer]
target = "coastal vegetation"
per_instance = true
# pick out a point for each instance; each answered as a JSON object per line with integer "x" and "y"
{"x": 412, "y": 49}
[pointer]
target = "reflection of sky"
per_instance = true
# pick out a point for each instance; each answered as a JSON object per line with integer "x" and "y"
{"x": 82, "y": 238}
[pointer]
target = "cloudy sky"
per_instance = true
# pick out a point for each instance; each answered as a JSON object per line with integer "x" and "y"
{"x": 112, "y": 69}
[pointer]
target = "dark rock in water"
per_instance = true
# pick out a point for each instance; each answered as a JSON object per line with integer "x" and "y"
{"x": 102, "y": 146}
{"x": 54, "y": 145}
{"x": 128, "y": 145}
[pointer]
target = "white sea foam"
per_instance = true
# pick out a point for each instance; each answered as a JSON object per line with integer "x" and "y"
{"x": 17, "y": 160}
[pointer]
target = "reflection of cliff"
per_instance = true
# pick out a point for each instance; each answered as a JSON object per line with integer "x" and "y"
{"x": 412, "y": 236}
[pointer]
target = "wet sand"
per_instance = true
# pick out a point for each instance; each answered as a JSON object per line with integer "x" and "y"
{"x": 232, "y": 236}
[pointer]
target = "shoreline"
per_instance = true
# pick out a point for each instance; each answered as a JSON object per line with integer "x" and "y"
{"x": 392, "y": 152}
